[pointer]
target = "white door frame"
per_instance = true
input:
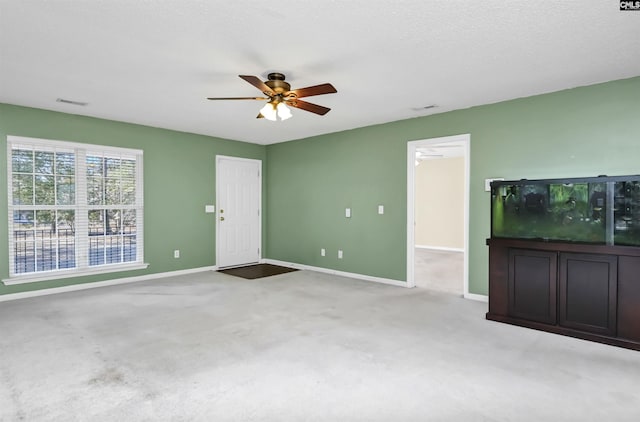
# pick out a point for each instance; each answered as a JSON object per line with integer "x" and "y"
{"x": 412, "y": 147}
{"x": 217, "y": 213}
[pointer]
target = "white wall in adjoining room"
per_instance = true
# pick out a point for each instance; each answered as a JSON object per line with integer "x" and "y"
{"x": 439, "y": 213}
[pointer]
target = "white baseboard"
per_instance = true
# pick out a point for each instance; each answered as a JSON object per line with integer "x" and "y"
{"x": 126, "y": 280}
{"x": 85, "y": 286}
{"x": 440, "y": 248}
{"x": 336, "y": 272}
{"x": 479, "y": 298}
{"x": 469, "y": 296}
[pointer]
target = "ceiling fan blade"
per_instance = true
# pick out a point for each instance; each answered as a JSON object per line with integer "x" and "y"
{"x": 255, "y": 81}
{"x": 259, "y": 116}
{"x": 312, "y": 90}
{"x": 314, "y": 108}
{"x": 238, "y": 98}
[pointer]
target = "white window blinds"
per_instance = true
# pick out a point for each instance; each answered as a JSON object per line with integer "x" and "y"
{"x": 73, "y": 208}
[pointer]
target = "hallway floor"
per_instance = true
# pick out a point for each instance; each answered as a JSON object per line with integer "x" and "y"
{"x": 439, "y": 270}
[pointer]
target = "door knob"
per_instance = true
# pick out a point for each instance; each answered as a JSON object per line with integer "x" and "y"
{"x": 221, "y": 218}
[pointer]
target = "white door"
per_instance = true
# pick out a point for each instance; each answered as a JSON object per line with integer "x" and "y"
{"x": 238, "y": 198}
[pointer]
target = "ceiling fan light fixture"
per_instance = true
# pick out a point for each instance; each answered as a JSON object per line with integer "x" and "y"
{"x": 283, "y": 111}
{"x": 269, "y": 112}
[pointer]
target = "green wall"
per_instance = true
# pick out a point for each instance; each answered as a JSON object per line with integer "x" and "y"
{"x": 179, "y": 180}
{"x": 584, "y": 131}
{"x": 315, "y": 179}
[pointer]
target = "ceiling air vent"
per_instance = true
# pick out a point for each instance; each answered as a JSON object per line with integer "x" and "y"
{"x": 78, "y": 103}
{"x": 427, "y": 107}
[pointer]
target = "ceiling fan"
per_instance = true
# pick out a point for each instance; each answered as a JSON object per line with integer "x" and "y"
{"x": 280, "y": 95}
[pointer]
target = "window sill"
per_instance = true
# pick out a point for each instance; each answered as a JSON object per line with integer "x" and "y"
{"x": 60, "y": 274}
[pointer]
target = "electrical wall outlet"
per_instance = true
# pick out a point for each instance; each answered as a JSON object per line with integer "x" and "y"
{"x": 176, "y": 253}
{"x": 347, "y": 212}
{"x": 323, "y": 252}
{"x": 339, "y": 253}
{"x": 380, "y": 209}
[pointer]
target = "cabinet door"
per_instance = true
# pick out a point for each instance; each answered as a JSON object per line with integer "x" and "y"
{"x": 588, "y": 289}
{"x": 533, "y": 285}
{"x": 629, "y": 298}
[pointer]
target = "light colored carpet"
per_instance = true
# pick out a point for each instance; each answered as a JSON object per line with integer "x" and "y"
{"x": 301, "y": 346}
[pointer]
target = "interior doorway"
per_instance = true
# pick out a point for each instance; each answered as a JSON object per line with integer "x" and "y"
{"x": 438, "y": 214}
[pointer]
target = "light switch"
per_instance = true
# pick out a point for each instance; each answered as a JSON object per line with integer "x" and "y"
{"x": 209, "y": 208}
{"x": 347, "y": 212}
{"x": 487, "y": 183}
{"x": 380, "y": 209}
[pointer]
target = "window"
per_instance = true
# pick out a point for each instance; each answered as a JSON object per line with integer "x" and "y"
{"x": 74, "y": 208}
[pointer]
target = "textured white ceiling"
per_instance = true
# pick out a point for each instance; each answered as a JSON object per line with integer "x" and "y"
{"x": 155, "y": 62}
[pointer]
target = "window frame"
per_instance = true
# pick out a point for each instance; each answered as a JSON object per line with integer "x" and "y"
{"x": 80, "y": 206}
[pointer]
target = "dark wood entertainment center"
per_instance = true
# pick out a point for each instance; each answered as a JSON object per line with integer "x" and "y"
{"x": 586, "y": 291}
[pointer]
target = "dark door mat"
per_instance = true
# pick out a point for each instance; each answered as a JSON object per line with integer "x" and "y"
{"x": 257, "y": 271}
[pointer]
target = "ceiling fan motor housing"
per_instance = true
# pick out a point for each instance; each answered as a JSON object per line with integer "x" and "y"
{"x": 277, "y": 84}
